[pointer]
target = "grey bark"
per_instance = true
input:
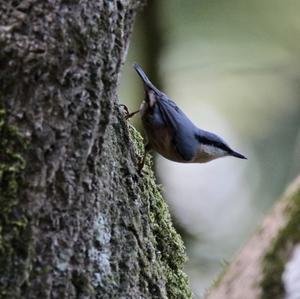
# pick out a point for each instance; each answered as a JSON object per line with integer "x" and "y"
{"x": 76, "y": 220}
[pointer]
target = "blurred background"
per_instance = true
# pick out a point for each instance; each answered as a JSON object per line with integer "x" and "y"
{"x": 233, "y": 66}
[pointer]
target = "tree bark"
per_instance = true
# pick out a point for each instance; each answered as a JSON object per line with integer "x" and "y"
{"x": 265, "y": 267}
{"x": 76, "y": 219}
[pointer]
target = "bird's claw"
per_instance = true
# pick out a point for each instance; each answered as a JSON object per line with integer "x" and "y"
{"x": 127, "y": 113}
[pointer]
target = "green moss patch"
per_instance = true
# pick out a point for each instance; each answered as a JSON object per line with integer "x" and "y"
{"x": 11, "y": 164}
{"x": 276, "y": 258}
{"x": 168, "y": 243}
{"x": 13, "y": 224}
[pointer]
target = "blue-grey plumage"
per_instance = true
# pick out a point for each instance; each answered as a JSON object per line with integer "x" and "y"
{"x": 172, "y": 134}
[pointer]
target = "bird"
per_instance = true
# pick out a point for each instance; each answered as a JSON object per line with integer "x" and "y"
{"x": 171, "y": 133}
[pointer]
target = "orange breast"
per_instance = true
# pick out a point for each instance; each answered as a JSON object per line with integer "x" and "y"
{"x": 161, "y": 141}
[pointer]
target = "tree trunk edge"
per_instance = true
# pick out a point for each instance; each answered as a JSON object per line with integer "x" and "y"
{"x": 169, "y": 242}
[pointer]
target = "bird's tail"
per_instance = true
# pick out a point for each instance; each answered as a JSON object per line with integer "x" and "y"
{"x": 147, "y": 83}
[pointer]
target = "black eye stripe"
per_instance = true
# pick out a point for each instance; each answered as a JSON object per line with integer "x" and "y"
{"x": 216, "y": 144}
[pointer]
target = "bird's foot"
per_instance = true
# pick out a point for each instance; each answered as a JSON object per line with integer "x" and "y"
{"x": 128, "y": 114}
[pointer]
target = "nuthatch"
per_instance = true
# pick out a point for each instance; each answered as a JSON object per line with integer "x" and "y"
{"x": 172, "y": 134}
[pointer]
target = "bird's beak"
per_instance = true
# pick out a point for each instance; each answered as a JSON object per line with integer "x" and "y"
{"x": 237, "y": 155}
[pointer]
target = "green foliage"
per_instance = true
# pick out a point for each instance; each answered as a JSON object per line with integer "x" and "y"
{"x": 276, "y": 258}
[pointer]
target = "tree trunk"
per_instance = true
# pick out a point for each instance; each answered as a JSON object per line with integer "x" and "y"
{"x": 268, "y": 267}
{"x": 76, "y": 219}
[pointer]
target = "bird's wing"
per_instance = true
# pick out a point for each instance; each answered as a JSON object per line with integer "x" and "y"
{"x": 182, "y": 128}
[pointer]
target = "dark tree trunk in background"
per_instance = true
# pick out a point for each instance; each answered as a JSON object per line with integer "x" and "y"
{"x": 152, "y": 22}
{"x": 76, "y": 221}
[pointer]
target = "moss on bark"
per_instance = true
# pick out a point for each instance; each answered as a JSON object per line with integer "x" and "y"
{"x": 256, "y": 272}
{"x": 76, "y": 220}
{"x": 14, "y": 233}
{"x": 169, "y": 245}
{"x": 275, "y": 259}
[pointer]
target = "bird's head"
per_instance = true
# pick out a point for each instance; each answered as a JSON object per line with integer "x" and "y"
{"x": 213, "y": 147}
